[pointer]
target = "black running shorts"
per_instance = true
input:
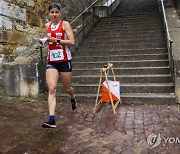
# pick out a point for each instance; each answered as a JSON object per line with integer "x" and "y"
{"x": 61, "y": 66}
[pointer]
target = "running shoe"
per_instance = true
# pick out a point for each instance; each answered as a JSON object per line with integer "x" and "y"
{"x": 49, "y": 124}
{"x": 73, "y": 102}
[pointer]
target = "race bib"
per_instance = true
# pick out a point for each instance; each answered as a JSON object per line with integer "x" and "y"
{"x": 56, "y": 55}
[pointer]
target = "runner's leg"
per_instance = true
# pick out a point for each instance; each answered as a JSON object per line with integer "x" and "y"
{"x": 52, "y": 76}
{"x": 66, "y": 80}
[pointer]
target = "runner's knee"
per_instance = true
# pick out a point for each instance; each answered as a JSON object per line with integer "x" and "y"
{"x": 52, "y": 90}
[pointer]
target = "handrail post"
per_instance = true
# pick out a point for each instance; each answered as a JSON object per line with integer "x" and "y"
{"x": 107, "y": 8}
{"x": 93, "y": 15}
{"x": 41, "y": 54}
{"x": 42, "y": 77}
{"x": 111, "y": 6}
{"x": 102, "y": 7}
{"x": 83, "y": 25}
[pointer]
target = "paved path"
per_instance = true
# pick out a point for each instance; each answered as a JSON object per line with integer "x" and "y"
{"x": 83, "y": 132}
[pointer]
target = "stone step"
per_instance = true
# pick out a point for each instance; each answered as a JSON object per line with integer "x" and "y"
{"x": 127, "y": 26}
{"x": 138, "y": 78}
{"x": 111, "y": 47}
{"x": 102, "y": 38}
{"x": 121, "y": 57}
{"x": 129, "y": 23}
{"x": 112, "y": 25}
{"x": 129, "y": 18}
{"x": 123, "y": 42}
{"x": 125, "y": 71}
{"x": 147, "y": 12}
{"x": 132, "y": 98}
{"x": 145, "y": 98}
{"x": 125, "y": 88}
{"x": 122, "y": 64}
{"x": 126, "y": 30}
{"x": 101, "y": 52}
{"x": 126, "y": 13}
{"x": 135, "y": 10}
{"x": 137, "y": 6}
{"x": 129, "y": 32}
{"x": 122, "y": 29}
{"x": 131, "y": 35}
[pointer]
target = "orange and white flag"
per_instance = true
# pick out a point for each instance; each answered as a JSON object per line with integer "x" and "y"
{"x": 114, "y": 87}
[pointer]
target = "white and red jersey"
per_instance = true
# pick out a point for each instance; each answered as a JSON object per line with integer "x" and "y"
{"x": 57, "y": 53}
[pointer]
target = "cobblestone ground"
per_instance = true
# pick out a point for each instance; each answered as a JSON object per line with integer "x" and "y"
{"x": 83, "y": 132}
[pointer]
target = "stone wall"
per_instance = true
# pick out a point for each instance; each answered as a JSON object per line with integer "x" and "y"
{"x": 20, "y": 20}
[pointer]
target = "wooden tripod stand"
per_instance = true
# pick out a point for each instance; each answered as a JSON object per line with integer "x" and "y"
{"x": 104, "y": 71}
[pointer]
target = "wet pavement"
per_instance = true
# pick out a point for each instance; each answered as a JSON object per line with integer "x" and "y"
{"x": 142, "y": 129}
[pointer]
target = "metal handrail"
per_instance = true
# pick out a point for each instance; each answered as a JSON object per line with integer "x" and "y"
{"x": 84, "y": 22}
{"x": 83, "y": 11}
{"x": 168, "y": 39}
{"x": 107, "y": 3}
{"x": 165, "y": 20}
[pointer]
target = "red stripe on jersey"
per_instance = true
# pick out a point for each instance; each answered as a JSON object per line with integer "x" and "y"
{"x": 58, "y": 33}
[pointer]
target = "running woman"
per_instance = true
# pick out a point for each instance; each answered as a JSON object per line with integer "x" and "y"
{"x": 59, "y": 37}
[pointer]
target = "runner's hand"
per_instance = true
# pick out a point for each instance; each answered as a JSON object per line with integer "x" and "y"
{"x": 52, "y": 39}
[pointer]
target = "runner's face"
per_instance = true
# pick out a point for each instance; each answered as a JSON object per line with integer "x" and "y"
{"x": 54, "y": 15}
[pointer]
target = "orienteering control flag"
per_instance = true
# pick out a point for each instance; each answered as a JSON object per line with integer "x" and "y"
{"x": 114, "y": 87}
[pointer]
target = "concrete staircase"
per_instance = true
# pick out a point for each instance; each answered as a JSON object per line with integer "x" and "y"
{"x": 132, "y": 38}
